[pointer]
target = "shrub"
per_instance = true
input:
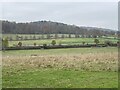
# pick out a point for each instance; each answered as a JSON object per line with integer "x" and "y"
{"x": 17, "y": 37}
{"x": 34, "y": 44}
{"x": 96, "y": 41}
{"x": 20, "y": 44}
{"x": 31, "y": 37}
{"x": 83, "y": 43}
{"x": 34, "y": 37}
{"x": 63, "y": 36}
{"x": 76, "y": 36}
{"x": 21, "y": 37}
{"x": 82, "y": 36}
{"x": 5, "y": 42}
{"x": 56, "y": 35}
{"x": 44, "y": 45}
{"x": 25, "y": 38}
{"x": 69, "y": 36}
{"x": 108, "y": 43}
{"x": 94, "y": 36}
{"x": 42, "y": 37}
{"x": 39, "y": 37}
{"x": 48, "y": 36}
{"x": 53, "y": 42}
{"x": 118, "y": 43}
{"x": 10, "y": 38}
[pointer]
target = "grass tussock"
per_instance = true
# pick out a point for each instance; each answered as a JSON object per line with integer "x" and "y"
{"x": 87, "y": 62}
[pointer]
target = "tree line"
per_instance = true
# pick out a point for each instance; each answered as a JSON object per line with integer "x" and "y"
{"x": 49, "y": 27}
{"x": 5, "y": 44}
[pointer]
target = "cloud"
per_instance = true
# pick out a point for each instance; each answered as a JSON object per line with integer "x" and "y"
{"x": 98, "y": 14}
{"x": 59, "y": 0}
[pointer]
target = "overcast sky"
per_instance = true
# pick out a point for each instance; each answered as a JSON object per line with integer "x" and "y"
{"x": 93, "y": 14}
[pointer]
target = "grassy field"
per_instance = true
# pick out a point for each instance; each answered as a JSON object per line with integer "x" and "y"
{"x": 69, "y": 41}
{"x": 0, "y": 70}
{"x": 68, "y": 51}
{"x": 61, "y": 68}
{"x": 45, "y": 35}
{"x": 49, "y": 78}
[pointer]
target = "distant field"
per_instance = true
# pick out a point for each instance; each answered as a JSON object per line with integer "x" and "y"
{"x": 68, "y": 51}
{"x": 61, "y": 68}
{"x": 36, "y": 35}
{"x": 65, "y": 40}
{"x": 69, "y": 41}
{"x": 0, "y": 70}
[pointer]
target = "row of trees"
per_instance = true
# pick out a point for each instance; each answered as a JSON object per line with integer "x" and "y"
{"x": 49, "y": 27}
{"x": 47, "y": 36}
{"x": 5, "y": 43}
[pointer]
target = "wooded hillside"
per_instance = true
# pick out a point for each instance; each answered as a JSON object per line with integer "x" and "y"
{"x": 49, "y": 27}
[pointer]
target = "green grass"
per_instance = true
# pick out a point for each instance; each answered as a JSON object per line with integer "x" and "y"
{"x": 52, "y": 78}
{"x": 17, "y": 75}
{"x": 69, "y": 51}
{"x": 69, "y": 41}
{"x": 31, "y": 35}
{"x": 62, "y": 40}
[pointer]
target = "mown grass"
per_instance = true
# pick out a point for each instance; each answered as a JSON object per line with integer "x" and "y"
{"x": 61, "y": 68}
{"x": 52, "y": 78}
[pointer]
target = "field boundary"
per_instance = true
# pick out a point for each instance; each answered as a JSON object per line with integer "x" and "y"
{"x": 57, "y": 46}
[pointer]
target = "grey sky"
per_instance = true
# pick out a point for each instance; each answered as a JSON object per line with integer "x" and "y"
{"x": 93, "y": 14}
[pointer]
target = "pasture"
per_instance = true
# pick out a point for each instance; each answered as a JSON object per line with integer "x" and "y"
{"x": 65, "y": 40}
{"x": 61, "y": 68}
{"x": 68, "y": 41}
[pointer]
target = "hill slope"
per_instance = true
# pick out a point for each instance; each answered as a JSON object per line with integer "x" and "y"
{"x": 48, "y": 27}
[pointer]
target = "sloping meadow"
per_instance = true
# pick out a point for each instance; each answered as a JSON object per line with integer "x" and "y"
{"x": 61, "y": 68}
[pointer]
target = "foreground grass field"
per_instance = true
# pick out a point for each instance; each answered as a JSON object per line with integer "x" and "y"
{"x": 61, "y": 68}
{"x": 50, "y": 78}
